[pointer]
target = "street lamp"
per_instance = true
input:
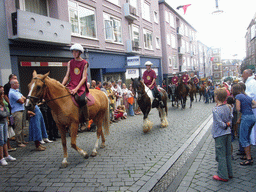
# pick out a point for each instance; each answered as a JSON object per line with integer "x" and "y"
{"x": 217, "y": 11}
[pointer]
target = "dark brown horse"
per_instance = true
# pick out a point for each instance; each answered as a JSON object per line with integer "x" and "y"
{"x": 192, "y": 92}
{"x": 201, "y": 91}
{"x": 66, "y": 113}
{"x": 145, "y": 99}
{"x": 182, "y": 93}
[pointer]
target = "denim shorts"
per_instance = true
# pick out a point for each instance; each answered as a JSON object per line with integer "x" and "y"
{"x": 3, "y": 133}
{"x": 247, "y": 123}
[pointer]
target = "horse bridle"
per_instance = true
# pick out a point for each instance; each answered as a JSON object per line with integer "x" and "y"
{"x": 47, "y": 101}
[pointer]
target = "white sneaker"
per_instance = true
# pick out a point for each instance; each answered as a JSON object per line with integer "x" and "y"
{"x": 42, "y": 142}
{"x": 3, "y": 162}
{"x": 10, "y": 158}
{"x": 47, "y": 140}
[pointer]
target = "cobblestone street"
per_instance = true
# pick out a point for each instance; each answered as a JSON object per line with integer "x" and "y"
{"x": 131, "y": 161}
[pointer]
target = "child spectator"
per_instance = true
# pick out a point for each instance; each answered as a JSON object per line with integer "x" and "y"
{"x": 222, "y": 118}
{"x": 130, "y": 100}
{"x": 244, "y": 104}
{"x": 118, "y": 112}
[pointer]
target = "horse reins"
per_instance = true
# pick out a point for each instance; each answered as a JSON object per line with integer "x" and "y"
{"x": 49, "y": 99}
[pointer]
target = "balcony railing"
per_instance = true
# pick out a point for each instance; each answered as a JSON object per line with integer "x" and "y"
{"x": 33, "y": 27}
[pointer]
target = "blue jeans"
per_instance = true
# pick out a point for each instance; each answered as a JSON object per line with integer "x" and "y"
{"x": 247, "y": 123}
{"x": 3, "y": 133}
{"x": 131, "y": 112}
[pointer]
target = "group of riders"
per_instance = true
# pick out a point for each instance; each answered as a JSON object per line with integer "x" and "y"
{"x": 77, "y": 73}
{"x": 76, "y": 80}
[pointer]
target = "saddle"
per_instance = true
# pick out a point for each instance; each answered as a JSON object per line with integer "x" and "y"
{"x": 89, "y": 100}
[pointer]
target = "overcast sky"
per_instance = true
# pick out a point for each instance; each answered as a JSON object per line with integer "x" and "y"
{"x": 226, "y": 30}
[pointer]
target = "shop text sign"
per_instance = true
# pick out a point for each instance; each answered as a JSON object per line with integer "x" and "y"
{"x": 132, "y": 61}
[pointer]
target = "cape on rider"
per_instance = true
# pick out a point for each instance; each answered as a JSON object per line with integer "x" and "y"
{"x": 149, "y": 78}
{"x": 77, "y": 72}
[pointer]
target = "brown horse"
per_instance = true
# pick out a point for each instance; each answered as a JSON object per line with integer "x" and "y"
{"x": 182, "y": 93}
{"x": 66, "y": 113}
{"x": 145, "y": 99}
{"x": 192, "y": 92}
{"x": 201, "y": 91}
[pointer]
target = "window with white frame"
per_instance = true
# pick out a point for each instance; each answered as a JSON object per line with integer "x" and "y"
{"x": 175, "y": 61}
{"x": 188, "y": 61}
{"x": 148, "y": 40}
{"x": 135, "y": 33}
{"x": 216, "y": 75}
{"x": 145, "y": 11}
{"x": 170, "y": 61}
{"x": 33, "y": 6}
{"x": 82, "y": 19}
{"x": 116, "y": 2}
{"x": 134, "y": 3}
{"x": 172, "y": 24}
{"x": 173, "y": 41}
{"x": 155, "y": 16}
{"x": 113, "y": 28}
{"x": 167, "y": 17}
{"x": 168, "y": 40}
{"x": 157, "y": 42}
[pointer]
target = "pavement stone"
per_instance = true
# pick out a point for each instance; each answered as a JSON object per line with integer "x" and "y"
{"x": 130, "y": 159}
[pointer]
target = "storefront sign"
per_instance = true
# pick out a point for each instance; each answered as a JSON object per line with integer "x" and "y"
{"x": 132, "y": 73}
{"x": 132, "y": 61}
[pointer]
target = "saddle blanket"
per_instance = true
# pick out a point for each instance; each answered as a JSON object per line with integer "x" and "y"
{"x": 90, "y": 99}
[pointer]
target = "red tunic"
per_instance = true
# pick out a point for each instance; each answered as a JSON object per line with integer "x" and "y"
{"x": 185, "y": 78}
{"x": 196, "y": 81}
{"x": 148, "y": 77}
{"x": 175, "y": 80}
{"x": 76, "y": 74}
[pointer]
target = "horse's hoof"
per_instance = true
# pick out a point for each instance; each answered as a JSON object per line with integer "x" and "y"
{"x": 64, "y": 165}
{"x": 102, "y": 145}
{"x": 86, "y": 156}
{"x": 94, "y": 154}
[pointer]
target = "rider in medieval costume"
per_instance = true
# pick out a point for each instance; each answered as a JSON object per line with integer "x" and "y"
{"x": 77, "y": 71}
{"x": 185, "y": 78}
{"x": 196, "y": 82}
{"x": 149, "y": 78}
{"x": 175, "y": 79}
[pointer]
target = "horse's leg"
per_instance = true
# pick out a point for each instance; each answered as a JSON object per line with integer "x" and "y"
{"x": 62, "y": 130}
{"x": 191, "y": 100}
{"x": 147, "y": 124}
{"x": 74, "y": 129}
{"x": 162, "y": 115}
{"x": 98, "y": 121}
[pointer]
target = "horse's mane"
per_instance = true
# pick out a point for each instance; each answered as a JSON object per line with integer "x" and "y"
{"x": 55, "y": 81}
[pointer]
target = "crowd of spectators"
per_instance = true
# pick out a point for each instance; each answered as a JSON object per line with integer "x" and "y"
{"x": 234, "y": 117}
{"x": 12, "y": 118}
{"x": 121, "y": 98}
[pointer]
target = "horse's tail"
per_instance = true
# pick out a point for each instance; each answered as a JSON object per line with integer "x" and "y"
{"x": 106, "y": 121}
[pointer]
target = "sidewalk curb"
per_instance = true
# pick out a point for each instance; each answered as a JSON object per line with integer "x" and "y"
{"x": 195, "y": 137}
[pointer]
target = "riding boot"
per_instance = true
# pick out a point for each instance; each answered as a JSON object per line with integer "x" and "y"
{"x": 84, "y": 115}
